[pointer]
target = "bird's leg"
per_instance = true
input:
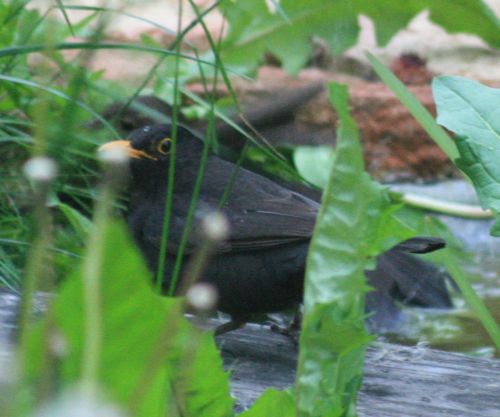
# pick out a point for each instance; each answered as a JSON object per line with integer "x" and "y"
{"x": 293, "y": 328}
{"x": 233, "y": 324}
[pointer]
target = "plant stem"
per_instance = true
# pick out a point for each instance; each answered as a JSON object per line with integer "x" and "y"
{"x": 92, "y": 272}
{"x": 92, "y": 293}
{"x": 169, "y": 198}
{"x": 446, "y": 207}
{"x": 35, "y": 263}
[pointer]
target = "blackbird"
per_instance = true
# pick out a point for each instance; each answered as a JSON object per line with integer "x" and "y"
{"x": 260, "y": 268}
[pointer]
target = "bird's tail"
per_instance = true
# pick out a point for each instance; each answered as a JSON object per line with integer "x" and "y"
{"x": 402, "y": 276}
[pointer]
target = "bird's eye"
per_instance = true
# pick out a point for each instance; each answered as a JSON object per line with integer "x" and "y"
{"x": 164, "y": 146}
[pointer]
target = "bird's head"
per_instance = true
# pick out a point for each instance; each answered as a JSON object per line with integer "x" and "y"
{"x": 154, "y": 142}
{"x": 150, "y": 147}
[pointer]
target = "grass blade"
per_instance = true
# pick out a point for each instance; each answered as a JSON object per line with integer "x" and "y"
{"x": 418, "y": 111}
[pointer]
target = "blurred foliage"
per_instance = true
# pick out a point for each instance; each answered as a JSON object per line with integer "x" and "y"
{"x": 151, "y": 359}
{"x": 285, "y": 29}
{"x": 45, "y": 101}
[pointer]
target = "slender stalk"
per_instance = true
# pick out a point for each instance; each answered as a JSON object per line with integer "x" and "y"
{"x": 446, "y": 207}
{"x": 190, "y": 214}
{"x": 78, "y": 83}
{"x": 41, "y": 171}
{"x": 215, "y": 229}
{"x": 179, "y": 40}
{"x": 35, "y": 263}
{"x": 219, "y": 64}
{"x": 169, "y": 198}
{"x": 92, "y": 341}
{"x": 198, "y": 262}
{"x": 115, "y": 165}
{"x": 47, "y": 386}
{"x": 210, "y": 135}
{"x": 27, "y": 49}
{"x": 234, "y": 174}
{"x": 196, "y": 266}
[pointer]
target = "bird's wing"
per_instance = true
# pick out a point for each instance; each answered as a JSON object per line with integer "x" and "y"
{"x": 261, "y": 212}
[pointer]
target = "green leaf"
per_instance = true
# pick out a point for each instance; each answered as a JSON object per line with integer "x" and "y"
{"x": 150, "y": 359}
{"x": 254, "y": 31}
{"x": 334, "y": 338}
{"x": 286, "y": 33}
{"x": 80, "y": 223}
{"x": 201, "y": 381}
{"x": 272, "y": 403}
{"x": 471, "y": 110}
{"x": 467, "y": 16}
{"x": 314, "y": 163}
{"x": 454, "y": 16}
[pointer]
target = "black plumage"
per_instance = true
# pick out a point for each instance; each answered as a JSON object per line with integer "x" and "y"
{"x": 260, "y": 268}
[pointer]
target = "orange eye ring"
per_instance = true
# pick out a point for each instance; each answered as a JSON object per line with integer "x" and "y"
{"x": 163, "y": 146}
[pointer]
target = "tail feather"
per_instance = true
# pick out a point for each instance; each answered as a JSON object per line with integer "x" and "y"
{"x": 402, "y": 276}
{"x": 425, "y": 244}
{"x": 410, "y": 280}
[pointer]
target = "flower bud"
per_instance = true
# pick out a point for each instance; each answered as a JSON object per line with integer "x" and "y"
{"x": 202, "y": 297}
{"x": 40, "y": 169}
{"x": 215, "y": 227}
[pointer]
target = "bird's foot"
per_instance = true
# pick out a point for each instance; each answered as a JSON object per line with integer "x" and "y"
{"x": 292, "y": 330}
{"x": 229, "y": 327}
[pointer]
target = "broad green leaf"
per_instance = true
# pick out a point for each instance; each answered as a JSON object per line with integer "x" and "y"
{"x": 472, "y": 111}
{"x": 200, "y": 380}
{"x": 314, "y": 163}
{"x": 254, "y": 29}
{"x": 147, "y": 349}
{"x": 334, "y": 338}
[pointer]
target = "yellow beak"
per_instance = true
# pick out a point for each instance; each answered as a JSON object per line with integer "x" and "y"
{"x": 125, "y": 146}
